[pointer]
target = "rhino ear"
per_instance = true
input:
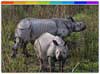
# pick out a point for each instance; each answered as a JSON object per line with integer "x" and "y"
{"x": 55, "y": 42}
{"x": 65, "y": 44}
{"x": 70, "y": 18}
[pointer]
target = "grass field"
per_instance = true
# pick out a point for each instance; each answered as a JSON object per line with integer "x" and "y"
{"x": 83, "y": 52}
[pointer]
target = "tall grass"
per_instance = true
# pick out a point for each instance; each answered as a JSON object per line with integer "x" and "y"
{"x": 84, "y": 47}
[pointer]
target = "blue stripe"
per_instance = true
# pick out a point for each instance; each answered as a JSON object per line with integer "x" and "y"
{"x": 80, "y": 2}
{"x": 73, "y": 2}
{"x": 67, "y": 2}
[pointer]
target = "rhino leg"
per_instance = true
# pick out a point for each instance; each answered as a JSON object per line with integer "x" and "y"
{"x": 41, "y": 65}
{"x": 51, "y": 64}
{"x": 14, "y": 50}
{"x": 49, "y": 61}
{"x": 61, "y": 65}
{"x": 25, "y": 52}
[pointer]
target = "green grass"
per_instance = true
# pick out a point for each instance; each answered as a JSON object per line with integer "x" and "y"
{"x": 84, "y": 47}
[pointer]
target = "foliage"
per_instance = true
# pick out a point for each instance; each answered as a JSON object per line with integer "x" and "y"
{"x": 84, "y": 47}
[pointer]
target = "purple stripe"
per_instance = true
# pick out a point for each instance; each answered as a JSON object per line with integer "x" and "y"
{"x": 92, "y": 2}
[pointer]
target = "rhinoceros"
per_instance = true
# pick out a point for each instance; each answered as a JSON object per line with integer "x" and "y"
{"x": 49, "y": 49}
{"x": 30, "y": 29}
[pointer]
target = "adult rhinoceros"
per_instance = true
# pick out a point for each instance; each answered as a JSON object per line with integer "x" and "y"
{"x": 29, "y": 29}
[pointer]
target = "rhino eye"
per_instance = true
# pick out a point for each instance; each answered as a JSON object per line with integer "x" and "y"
{"x": 57, "y": 52}
{"x": 63, "y": 31}
{"x": 63, "y": 52}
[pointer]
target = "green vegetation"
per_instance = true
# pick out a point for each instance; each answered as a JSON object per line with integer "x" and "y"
{"x": 84, "y": 47}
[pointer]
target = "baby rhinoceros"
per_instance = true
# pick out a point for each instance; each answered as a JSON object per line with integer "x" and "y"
{"x": 49, "y": 49}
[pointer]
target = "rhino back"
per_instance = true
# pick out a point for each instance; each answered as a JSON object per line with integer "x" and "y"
{"x": 45, "y": 40}
{"x": 24, "y": 23}
{"x": 42, "y": 44}
{"x": 40, "y": 26}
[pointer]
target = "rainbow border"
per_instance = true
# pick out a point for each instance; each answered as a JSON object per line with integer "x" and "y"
{"x": 49, "y": 2}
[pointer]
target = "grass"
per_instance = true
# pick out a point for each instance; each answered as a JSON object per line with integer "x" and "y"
{"x": 84, "y": 45}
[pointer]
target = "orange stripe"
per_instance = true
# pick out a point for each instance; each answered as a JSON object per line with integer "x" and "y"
{"x": 7, "y": 2}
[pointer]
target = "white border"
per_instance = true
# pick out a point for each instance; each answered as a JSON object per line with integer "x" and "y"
{"x": 0, "y": 36}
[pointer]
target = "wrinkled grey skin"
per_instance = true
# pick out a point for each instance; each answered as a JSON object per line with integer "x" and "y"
{"x": 30, "y": 29}
{"x": 49, "y": 49}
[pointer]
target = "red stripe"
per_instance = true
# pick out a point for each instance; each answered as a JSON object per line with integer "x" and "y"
{"x": 7, "y": 2}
